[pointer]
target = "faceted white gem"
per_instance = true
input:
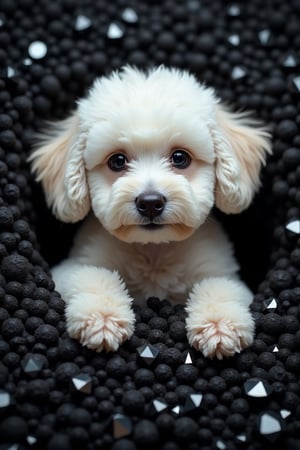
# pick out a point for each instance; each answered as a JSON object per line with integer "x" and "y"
{"x": 294, "y": 226}
{"x": 79, "y": 384}
{"x": 264, "y": 36}
{"x": 296, "y": 82}
{"x": 114, "y": 31}
{"x": 176, "y": 410}
{"x": 10, "y": 72}
{"x": 31, "y": 440}
{"x": 37, "y": 50}
{"x": 258, "y": 390}
{"x": 272, "y": 304}
{"x": 220, "y": 445}
{"x": 82, "y": 23}
{"x": 27, "y": 62}
{"x": 238, "y": 72}
{"x": 285, "y": 413}
{"x": 188, "y": 359}
{"x": 129, "y": 15}
{"x": 269, "y": 425}
{"x": 234, "y": 10}
{"x": 122, "y": 426}
{"x": 275, "y": 349}
{"x": 290, "y": 61}
{"x": 234, "y": 39}
{"x": 197, "y": 399}
{"x": 4, "y": 399}
{"x": 241, "y": 438}
{"x": 159, "y": 406}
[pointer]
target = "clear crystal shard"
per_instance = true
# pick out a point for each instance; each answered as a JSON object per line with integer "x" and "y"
{"x": 234, "y": 39}
{"x": 188, "y": 359}
{"x": 241, "y": 438}
{"x": 148, "y": 353}
{"x": 275, "y": 348}
{"x": 270, "y": 304}
{"x": 295, "y": 84}
{"x": 285, "y": 413}
{"x": 82, "y": 383}
{"x": 129, "y": 15}
{"x": 255, "y": 387}
{"x": 82, "y": 23}
{"x": 27, "y": 62}
{"x": 32, "y": 364}
{"x": 264, "y": 36}
{"x": 290, "y": 61}
{"x": 115, "y": 31}
{"x": 270, "y": 424}
{"x": 37, "y": 50}
{"x": 176, "y": 410}
{"x": 234, "y": 10}
{"x": 192, "y": 402}
{"x": 31, "y": 440}
{"x": 294, "y": 226}
{"x": 5, "y": 399}
{"x": 159, "y": 406}
{"x": 221, "y": 445}
{"x": 122, "y": 426}
{"x": 238, "y": 72}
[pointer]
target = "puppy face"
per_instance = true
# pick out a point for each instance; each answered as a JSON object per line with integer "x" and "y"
{"x": 150, "y": 170}
{"x": 150, "y": 153}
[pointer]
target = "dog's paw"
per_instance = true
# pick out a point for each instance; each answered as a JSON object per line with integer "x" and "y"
{"x": 99, "y": 332}
{"x": 220, "y": 338}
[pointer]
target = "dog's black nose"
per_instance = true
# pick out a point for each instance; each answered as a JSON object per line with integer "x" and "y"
{"x": 150, "y": 204}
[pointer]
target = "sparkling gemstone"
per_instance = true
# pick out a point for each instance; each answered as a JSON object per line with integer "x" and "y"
{"x": 270, "y": 424}
{"x": 234, "y": 10}
{"x": 7, "y": 72}
{"x": 82, "y": 383}
{"x": 234, "y": 39}
{"x": 275, "y": 348}
{"x": 32, "y": 364}
{"x": 129, "y": 15}
{"x": 294, "y": 84}
{"x": 289, "y": 61}
{"x": 148, "y": 353}
{"x": 176, "y": 410}
{"x": 82, "y": 23}
{"x": 255, "y": 387}
{"x": 264, "y": 36}
{"x": 270, "y": 304}
{"x": 37, "y": 50}
{"x": 221, "y": 445}
{"x": 241, "y": 438}
{"x": 159, "y": 406}
{"x": 285, "y": 413}
{"x": 294, "y": 226}
{"x": 122, "y": 426}
{"x": 192, "y": 402}
{"x": 27, "y": 62}
{"x": 115, "y": 31}
{"x": 188, "y": 359}
{"x": 238, "y": 72}
{"x": 5, "y": 399}
{"x": 31, "y": 440}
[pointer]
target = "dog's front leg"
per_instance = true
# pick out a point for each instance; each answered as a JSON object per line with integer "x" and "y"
{"x": 219, "y": 322}
{"x": 98, "y": 307}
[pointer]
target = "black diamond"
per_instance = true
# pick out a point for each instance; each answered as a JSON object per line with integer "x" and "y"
{"x": 192, "y": 402}
{"x": 270, "y": 304}
{"x": 270, "y": 424}
{"x": 32, "y": 364}
{"x": 258, "y": 388}
{"x": 82, "y": 383}
{"x": 148, "y": 353}
{"x": 122, "y": 426}
{"x": 158, "y": 406}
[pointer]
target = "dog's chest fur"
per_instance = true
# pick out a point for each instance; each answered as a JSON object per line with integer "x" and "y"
{"x": 167, "y": 270}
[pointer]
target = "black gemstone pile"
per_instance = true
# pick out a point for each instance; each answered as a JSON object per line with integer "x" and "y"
{"x": 155, "y": 392}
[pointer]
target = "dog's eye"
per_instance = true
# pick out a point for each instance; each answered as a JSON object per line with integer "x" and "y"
{"x": 180, "y": 159}
{"x": 117, "y": 162}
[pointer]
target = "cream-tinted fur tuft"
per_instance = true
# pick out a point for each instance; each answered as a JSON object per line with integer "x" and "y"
{"x": 177, "y": 250}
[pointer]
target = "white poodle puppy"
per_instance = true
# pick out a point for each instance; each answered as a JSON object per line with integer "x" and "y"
{"x": 146, "y": 155}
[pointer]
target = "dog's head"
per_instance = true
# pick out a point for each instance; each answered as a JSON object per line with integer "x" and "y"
{"x": 150, "y": 153}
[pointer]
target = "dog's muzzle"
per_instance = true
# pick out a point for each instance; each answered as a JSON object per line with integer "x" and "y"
{"x": 150, "y": 204}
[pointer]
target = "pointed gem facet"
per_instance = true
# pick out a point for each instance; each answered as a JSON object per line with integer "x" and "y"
{"x": 234, "y": 39}
{"x": 37, "y": 50}
{"x": 129, "y": 15}
{"x": 159, "y": 406}
{"x": 192, "y": 402}
{"x": 115, "y": 31}
{"x": 238, "y": 73}
{"x": 270, "y": 304}
{"x": 270, "y": 424}
{"x": 188, "y": 359}
{"x": 32, "y": 364}
{"x": 255, "y": 387}
{"x": 82, "y": 23}
{"x": 82, "y": 383}
{"x": 122, "y": 426}
{"x": 148, "y": 353}
{"x": 293, "y": 227}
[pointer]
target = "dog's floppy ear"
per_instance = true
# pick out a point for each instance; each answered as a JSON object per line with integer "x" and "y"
{"x": 241, "y": 145}
{"x": 58, "y": 163}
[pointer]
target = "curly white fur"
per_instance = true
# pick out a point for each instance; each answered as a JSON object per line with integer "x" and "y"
{"x": 186, "y": 256}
